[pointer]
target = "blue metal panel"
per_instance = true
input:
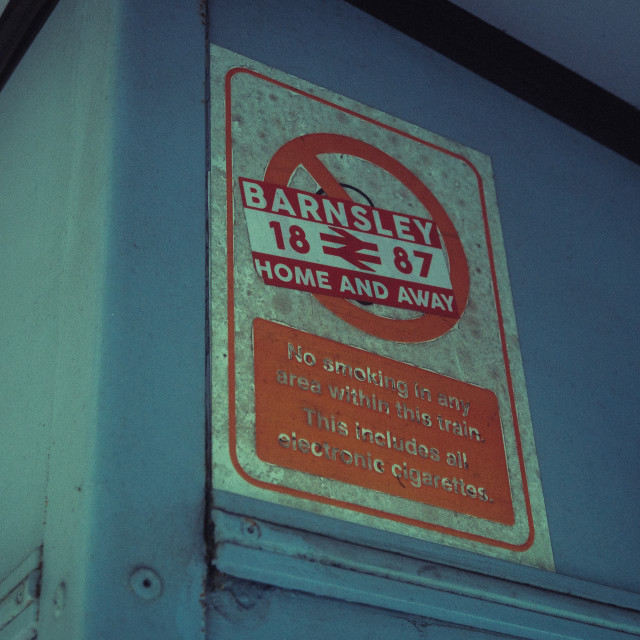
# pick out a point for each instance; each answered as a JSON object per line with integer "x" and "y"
{"x": 106, "y": 203}
{"x": 243, "y": 609}
{"x": 326, "y": 566}
{"x": 565, "y": 203}
{"x": 150, "y": 468}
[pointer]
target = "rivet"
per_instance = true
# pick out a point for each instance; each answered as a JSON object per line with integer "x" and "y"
{"x": 252, "y": 527}
{"x": 146, "y": 583}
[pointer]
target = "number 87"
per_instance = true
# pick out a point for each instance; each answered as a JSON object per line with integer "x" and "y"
{"x": 403, "y": 264}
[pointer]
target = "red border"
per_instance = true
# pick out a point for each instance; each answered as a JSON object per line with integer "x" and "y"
{"x": 231, "y": 331}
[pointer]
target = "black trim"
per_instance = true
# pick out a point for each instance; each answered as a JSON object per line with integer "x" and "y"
{"x": 20, "y": 23}
{"x": 451, "y": 31}
{"x": 515, "y": 67}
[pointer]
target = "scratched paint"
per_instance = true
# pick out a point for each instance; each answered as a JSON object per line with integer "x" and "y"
{"x": 292, "y": 150}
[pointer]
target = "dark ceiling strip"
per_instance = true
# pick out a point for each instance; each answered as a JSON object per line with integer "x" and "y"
{"x": 20, "y": 22}
{"x": 456, "y": 34}
{"x": 515, "y": 67}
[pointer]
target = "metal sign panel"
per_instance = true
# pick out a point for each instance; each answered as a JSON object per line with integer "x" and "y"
{"x": 365, "y": 361}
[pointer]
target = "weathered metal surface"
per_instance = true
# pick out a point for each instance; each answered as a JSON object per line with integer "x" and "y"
{"x": 536, "y": 604}
{"x": 260, "y": 120}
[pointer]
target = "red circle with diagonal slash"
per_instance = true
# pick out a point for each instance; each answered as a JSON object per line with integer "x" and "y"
{"x": 304, "y": 151}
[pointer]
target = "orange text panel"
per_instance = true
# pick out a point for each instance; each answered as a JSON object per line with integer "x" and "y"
{"x": 342, "y": 413}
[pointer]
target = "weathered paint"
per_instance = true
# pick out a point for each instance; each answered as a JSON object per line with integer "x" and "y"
{"x": 331, "y": 141}
{"x": 132, "y": 298}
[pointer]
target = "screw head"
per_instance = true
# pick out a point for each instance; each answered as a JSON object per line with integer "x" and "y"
{"x": 252, "y": 527}
{"x": 146, "y": 583}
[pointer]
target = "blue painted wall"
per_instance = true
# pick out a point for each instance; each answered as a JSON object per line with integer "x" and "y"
{"x": 103, "y": 209}
{"x": 569, "y": 213}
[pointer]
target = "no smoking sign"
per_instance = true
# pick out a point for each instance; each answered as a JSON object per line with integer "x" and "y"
{"x": 362, "y": 330}
{"x": 323, "y": 245}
